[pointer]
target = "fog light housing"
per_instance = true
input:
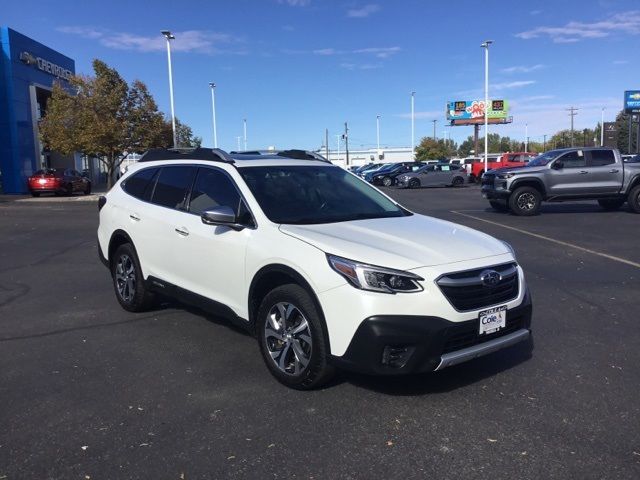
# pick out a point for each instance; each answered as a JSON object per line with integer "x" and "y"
{"x": 396, "y": 356}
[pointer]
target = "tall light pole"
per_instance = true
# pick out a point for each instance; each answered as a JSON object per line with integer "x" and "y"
{"x": 244, "y": 121}
{"x": 526, "y": 137}
{"x": 602, "y": 129}
{"x": 413, "y": 129}
{"x": 169, "y": 36}
{"x": 485, "y": 45}
{"x": 213, "y": 109}
{"x": 434, "y": 128}
{"x": 378, "y": 134}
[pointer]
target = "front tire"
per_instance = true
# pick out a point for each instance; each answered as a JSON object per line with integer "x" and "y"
{"x": 525, "y": 202}
{"x": 35, "y": 194}
{"x": 414, "y": 183}
{"x": 611, "y": 205}
{"x": 499, "y": 206}
{"x": 291, "y": 335}
{"x": 387, "y": 181}
{"x": 128, "y": 282}
{"x": 634, "y": 199}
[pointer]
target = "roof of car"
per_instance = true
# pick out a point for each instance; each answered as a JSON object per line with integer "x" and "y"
{"x": 219, "y": 155}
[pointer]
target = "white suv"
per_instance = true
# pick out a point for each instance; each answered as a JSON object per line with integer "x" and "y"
{"x": 323, "y": 268}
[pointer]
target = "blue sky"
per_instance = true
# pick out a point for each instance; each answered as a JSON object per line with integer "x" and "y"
{"x": 295, "y": 67}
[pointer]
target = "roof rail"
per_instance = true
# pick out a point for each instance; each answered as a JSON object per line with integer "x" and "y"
{"x": 211, "y": 154}
{"x": 302, "y": 155}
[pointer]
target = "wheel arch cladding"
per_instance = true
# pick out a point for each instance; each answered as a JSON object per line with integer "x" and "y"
{"x": 529, "y": 182}
{"x": 273, "y": 276}
{"x": 119, "y": 237}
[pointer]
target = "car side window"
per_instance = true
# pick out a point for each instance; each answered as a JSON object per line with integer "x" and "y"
{"x": 602, "y": 157}
{"x": 213, "y": 188}
{"x": 172, "y": 186}
{"x": 140, "y": 184}
{"x": 574, "y": 159}
{"x": 454, "y": 167}
{"x": 430, "y": 168}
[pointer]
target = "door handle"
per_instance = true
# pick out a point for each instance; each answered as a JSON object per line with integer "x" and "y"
{"x": 134, "y": 217}
{"x": 582, "y": 172}
{"x": 614, "y": 170}
{"x": 182, "y": 231}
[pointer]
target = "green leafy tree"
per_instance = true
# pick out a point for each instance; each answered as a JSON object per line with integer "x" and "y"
{"x": 102, "y": 116}
{"x": 622, "y": 125}
{"x": 430, "y": 149}
{"x": 184, "y": 136}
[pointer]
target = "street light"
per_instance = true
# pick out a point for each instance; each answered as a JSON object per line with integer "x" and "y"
{"x": 526, "y": 137}
{"x": 434, "y": 128}
{"x": 602, "y": 129}
{"x": 485, "y": 45}
{"x": 378, "y": 134}
{"x": 169, "y": 36}
{"x": 213, "y": 108}
{"x": 244, "y": 121}
{"x": 413, "y": 130}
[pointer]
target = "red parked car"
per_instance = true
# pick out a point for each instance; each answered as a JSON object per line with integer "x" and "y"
{"x": 61, "y": 181}
{"x": 511, "y": 159}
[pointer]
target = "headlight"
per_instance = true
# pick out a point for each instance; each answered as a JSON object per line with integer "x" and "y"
{"x": 508, "y": 245}
{"x": 375, "y": 279}
{"x": 505, "y": 176}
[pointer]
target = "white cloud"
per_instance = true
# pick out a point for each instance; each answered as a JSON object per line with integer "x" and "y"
{"x": 360, "y": 66}
{"x": 328, "y": 51}
{"x": 620, "y": 23}
{"x": 363, "y": 11}
{"x": 199, "y": 41}
{"x": 295, "y": 3}
{"x": 523, "y": 68}
{"x": 508, "y": 85}
{"x": 378, "y": 52}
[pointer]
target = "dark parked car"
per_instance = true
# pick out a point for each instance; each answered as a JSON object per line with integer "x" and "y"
{"x": 61, "y": 181}
{"x": 388, "y": 177}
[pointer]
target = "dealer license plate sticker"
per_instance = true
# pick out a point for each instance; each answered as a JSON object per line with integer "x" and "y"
{"x": 493, "y": 319}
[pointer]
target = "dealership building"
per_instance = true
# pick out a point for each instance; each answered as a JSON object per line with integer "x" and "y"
{"x": 28, "y": 71}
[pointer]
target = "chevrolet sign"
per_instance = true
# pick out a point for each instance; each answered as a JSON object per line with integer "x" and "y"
{"x": 632, "y": 101}
{"x": 45, "y": 65}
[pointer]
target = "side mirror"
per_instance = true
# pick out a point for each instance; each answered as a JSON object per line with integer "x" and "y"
{"x": 558, "y": 165}
{"x": 222, "y": 215}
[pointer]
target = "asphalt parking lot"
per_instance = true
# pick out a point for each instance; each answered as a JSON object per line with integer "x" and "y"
{"x": 90, "y": 391}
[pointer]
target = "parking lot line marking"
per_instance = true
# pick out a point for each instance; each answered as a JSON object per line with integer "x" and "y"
{"x": 549, "y": 239}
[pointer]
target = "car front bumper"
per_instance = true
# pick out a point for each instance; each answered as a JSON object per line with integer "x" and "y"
{"x": 403, "y": 344}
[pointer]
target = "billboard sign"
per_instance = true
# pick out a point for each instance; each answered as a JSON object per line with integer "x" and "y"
{"x": 632, "y": 101}
{"x": 610, "y": 135}
{"x": 474, "y": 110}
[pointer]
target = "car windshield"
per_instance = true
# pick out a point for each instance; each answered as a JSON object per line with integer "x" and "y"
{"x": 545, "y": 158}
{"x": 316, "y": 194}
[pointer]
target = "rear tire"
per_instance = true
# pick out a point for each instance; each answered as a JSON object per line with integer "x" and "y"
{"x": 634, "y": 199}
{"x": 35, "y": 194}
{"x": 499, "y": 206}
{"x": 291, "y": 336}
{"x": 387, "y": 181}
{"x": 128, "y": 282}
{"x": 414, "y": 183}
{"x": 525, "y": 202}
{"x": 457, "y": 182}
{"x": 611, "y": 205}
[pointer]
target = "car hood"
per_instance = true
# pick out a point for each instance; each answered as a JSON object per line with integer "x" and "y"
{"x": 524, "y": 169}
{"x": 403, "y": 243}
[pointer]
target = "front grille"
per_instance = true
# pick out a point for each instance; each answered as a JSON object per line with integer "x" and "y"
{"x": 487, "y": 179}
{"x": 466, "y": 335}
{"x": 467, "y": 291}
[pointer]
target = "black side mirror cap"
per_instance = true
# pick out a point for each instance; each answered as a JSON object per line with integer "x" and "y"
{"x": 221, "y": 215}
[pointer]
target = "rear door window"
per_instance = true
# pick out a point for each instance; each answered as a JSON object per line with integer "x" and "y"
{"x": 140, "y": 184}
{"x": 602, "y": 157}
{"x": 172, "y": 186}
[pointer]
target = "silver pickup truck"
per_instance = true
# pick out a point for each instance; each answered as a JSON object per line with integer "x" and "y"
{"x": 594, "y": 173}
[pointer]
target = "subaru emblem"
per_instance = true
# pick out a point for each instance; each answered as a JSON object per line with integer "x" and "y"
{"x": 490, "y": 278}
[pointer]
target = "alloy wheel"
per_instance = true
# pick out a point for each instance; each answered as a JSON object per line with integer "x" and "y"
{"x": 288, "y": 338}
{"x": 526, "y": 201}
{"x": 126, "y": 278}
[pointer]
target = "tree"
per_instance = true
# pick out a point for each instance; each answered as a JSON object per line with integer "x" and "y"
{"x": 622, "y": 125}
{"x": 430, "y": 149}
{"x": 184, "y": 136}
{"x": 104, "y": 117}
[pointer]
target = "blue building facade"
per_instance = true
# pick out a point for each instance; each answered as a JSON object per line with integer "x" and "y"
{"x": 28, "y": 71}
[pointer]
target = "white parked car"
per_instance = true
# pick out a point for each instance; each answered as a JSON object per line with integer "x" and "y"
{"x": 323, "y": 268}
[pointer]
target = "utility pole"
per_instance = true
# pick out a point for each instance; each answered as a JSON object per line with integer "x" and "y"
{"x": 485, "y": 45}
{"x": 434, "y": 128}
{"x": 572, "y": 113}
{"x": 602, "y": 128}
{"x": 413, "y": 128}
{"x": 544, "y": 143}
{"x": 326, "y": 142}
{"x": 378, "y": 135}
{"x": 526, "y": 137}
{"x": 346, "y": 143}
